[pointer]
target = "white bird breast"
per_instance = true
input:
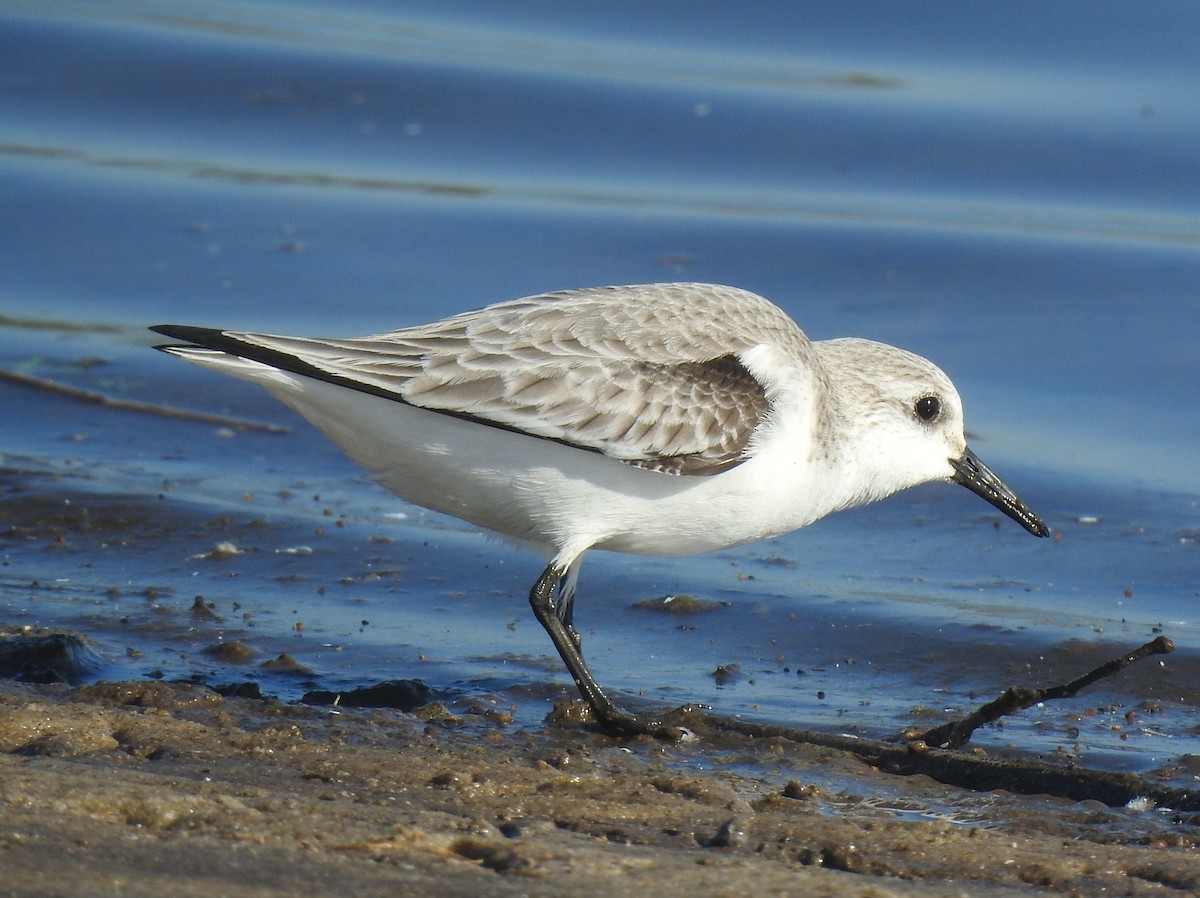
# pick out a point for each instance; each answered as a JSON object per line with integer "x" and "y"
{"x": 538, "y": 490}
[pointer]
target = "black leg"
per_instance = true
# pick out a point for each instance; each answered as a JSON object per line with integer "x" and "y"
{"x": 564, "y": 607}
{"x": 542, "y": 599}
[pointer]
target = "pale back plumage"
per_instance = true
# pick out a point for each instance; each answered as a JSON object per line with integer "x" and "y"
{"x": 650, "y": 374}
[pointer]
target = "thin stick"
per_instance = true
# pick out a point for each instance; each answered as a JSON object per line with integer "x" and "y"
{"x": 957, "y": 733}
{"x": 925, "y": 755}
{"x": 130, "y": 405}
{"x": 1026, "y": 776}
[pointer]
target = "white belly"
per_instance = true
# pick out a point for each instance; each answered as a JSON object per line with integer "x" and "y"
{"x": 537, "y": 490}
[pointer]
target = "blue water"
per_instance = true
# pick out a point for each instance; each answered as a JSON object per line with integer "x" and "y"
{"x": 1012, "y": 191}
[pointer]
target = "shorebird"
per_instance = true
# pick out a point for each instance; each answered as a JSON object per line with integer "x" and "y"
{"x": 658, "y": 419}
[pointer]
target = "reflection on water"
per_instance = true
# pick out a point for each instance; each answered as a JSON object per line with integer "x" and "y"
{"x": 851, "y": 209}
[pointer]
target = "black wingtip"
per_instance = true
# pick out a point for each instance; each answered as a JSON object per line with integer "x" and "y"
{"x": 201, "y": 336}
{"x": 216, "y": 340}
{"x": 223, "y": 341}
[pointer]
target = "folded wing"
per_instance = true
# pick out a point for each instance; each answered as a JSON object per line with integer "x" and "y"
{"x": 651, "y": 375}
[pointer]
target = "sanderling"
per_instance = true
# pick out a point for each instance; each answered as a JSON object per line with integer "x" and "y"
{"x": 661, "y": 419}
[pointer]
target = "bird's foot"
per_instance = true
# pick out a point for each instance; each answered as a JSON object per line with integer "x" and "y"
{"x": 670, "y": 726}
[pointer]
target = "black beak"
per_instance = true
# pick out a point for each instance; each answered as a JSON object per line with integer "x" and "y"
{"x": 975, "y": 476}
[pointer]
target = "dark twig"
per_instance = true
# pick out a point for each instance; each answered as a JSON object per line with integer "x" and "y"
{"x": 957, "y": 733}
{"x": 130, "y": 405}
{"x": 1025, "y": 776}
{"x": 929, "y": 755}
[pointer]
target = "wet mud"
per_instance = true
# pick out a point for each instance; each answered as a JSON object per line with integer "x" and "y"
{"x": 144, "y": 788}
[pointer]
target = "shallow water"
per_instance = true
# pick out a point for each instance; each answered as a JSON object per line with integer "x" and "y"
{"x": 1010, "y": 192}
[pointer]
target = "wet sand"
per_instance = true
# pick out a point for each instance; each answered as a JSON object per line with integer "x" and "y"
{"x": 148, "y": 788}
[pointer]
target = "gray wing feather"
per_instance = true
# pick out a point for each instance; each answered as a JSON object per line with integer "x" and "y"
{"x": 648, "y": 374}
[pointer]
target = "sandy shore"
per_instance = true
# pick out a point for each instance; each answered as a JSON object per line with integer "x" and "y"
{"x": 157, "y": 789}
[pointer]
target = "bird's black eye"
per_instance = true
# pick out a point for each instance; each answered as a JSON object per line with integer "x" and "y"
{"x": 928, "y": 408}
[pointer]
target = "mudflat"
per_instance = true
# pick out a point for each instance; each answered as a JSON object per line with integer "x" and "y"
{"x": 153, "y": 788}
